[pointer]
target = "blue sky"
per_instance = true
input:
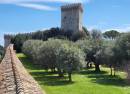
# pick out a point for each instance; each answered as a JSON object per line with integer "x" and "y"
{"x": 17, "y": 16}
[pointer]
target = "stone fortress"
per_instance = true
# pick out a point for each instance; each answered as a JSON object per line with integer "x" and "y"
{"x": 7, "y": 40}
{"x": 71, "y": 17}
{"x": 71, "y": 20}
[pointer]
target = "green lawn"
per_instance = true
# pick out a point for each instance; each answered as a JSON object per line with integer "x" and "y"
{"x": 84, "y": 82}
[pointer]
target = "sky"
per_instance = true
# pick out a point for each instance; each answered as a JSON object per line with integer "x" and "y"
{"x": 20, "y": 16}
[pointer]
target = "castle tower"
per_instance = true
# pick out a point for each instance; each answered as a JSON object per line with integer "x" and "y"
{"x": 71, "y": 17}
{"x": 7, "y": 40}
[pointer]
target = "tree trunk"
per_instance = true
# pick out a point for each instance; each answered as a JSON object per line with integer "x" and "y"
{"x": 90, "y": 65}
{"x": 114, "y": 71}
{"x": 111, "y": 70}
{"x": 53, "y": 70}
{"x": 60, "y": 73}
{"x": 87, "y": 65}
{"x": 97, "y": 68}
{"x": 70, "y": 77}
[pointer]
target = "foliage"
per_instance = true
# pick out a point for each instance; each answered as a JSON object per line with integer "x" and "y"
{"x": 19, "y": 39}
{"x": 44, "y": 35}
{"x": 69, "y": 58}
{"x": 122, "y": 48}
{"x": 93, "y": 49}
{"x": 96, "y": 34}
{"x": 78, "y": 35}
{"x": 49, "y": 52}
{"x": 31, "y": 49}
{"x": 65, "y": 56}
{"x": 85, "y": 82}
{"x": 108, "y": 55}
{"x": 112, "y": 34}
{"x": 117, "y": 55}
{"x": 86, "y": 31}
{"x": 54, "y": 54}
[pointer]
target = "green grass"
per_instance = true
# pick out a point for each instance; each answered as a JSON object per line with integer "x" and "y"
{"x": 84, "y": 82}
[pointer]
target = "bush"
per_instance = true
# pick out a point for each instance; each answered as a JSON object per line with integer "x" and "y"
{"x": 47, "y": 53}
{"x": 92, "y": 49}
{"x": 69, "y": 59}
{"x": 78, "y": 35}
{"x": 53, "y": 54}
{"x": 31, "y": 49}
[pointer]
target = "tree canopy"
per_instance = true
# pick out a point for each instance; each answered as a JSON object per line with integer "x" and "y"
{"x": 61, "y": 55}
{"x": 112, "y": 34}
{"x": 44, "y": 35}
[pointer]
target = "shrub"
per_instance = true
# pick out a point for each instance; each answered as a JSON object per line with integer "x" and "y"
{"x": 69, "y": 59}
{"x": 53, "y": 54}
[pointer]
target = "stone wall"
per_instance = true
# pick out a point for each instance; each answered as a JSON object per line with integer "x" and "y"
{"x": 71, "y": 17}
{"x": 14, "y": 79}
{"x": 7, "y": 40}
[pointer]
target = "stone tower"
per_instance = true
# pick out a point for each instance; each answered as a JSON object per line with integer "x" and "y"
{"x": 7, "y": 40}
{"x": 71, "y": 17}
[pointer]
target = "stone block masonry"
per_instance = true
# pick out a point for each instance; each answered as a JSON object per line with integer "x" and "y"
{"x": 14, "y": 79}
{"x": 71, "y": 17}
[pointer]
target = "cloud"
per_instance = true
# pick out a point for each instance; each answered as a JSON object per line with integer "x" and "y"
{"x": 100, "y": 26}
{"x": 32, "y": 3}
{"x": 116, "y": 6}
{"x": 26, "y": 1}
{"x": 36, "y": 6}
{"x": 120, "y": 29}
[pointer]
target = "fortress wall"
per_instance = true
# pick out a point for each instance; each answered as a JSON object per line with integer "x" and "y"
{"x": 14, "y": 79}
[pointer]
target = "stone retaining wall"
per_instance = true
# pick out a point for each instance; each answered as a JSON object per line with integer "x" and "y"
{"x": 14, "y": 79}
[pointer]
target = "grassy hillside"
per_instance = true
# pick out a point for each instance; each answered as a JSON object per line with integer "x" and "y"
{"x": 84, "y": 82}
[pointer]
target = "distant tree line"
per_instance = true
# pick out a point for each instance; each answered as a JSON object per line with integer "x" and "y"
{"x": 67, "y": 52}
{"x": 66, "y": 56}
{"x": 58, "y": 50}
{"x": 112, "y": 34}
{"x": 44, "y": 35}
{"x": 19, "y": 39}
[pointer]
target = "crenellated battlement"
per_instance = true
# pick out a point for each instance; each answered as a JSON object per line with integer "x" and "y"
{"x": 7, "y": 36}
{"x": 72, "y": 6}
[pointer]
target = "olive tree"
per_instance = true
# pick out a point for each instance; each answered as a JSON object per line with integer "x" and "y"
{"x": 108, "y": 56}
{"x": 86, "y": 46}
{"x": 55, "y": 54}
{"x": 93, "y": 50}
{"x": 122, "y": 49}
{"x": 69, "y": 59}
{"x": 31, "y": 49}
{"x": 112, "y": 34}
{"x": 47, "y": 53}
{"x": 117, "y": 54}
